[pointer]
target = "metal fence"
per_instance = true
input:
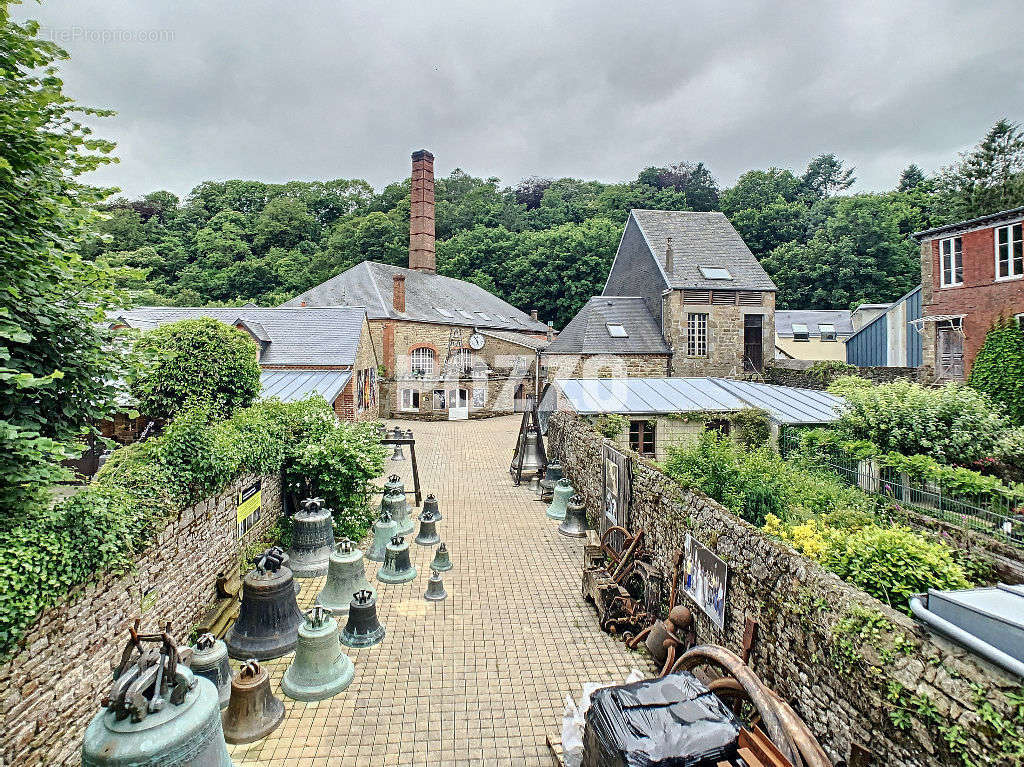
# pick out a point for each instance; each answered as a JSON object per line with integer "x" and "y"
{"x": 991, "y": 514}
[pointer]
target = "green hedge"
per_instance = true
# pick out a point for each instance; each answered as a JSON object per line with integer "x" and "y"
{"x": 49, "y": 550}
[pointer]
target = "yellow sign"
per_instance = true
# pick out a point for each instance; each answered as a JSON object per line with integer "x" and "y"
{"x": 249, "y": 500}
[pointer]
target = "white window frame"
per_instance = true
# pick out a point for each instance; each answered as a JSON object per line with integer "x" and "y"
{"x": 1012, "y": 273}
{"x": 411, "y": 400}
{"x": 697, "y": 341}
{"x": 427, "y": 363}
{"x": 801, "y": 335}
{"x": 616, "y": 330}
{"x": 952, "y": 282}
{"x": 827, "y": 335}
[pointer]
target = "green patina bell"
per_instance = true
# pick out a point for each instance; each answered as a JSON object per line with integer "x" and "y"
{"x": 441, "y": 560}
{"x": 345, "y": 576}
{"x": 312, "y": 539}
{"x": 320, "y": 669}
{"x": 158, "y": 712}
{"x": 384, "y": 529}
{"x": 562, "y": 493}
{"x": 427, "y": 535}
{"x": 210, "y": 661}
{"x": 430, "y": 504}
{"x": 435, "y": 588}
{"x": 575, "y": 523}
{"x": 397, "y": 567}
{"x": 396, "y": 505}
{"x": 363, "y": 628}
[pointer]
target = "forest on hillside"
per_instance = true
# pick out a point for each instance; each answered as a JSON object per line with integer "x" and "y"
{"x": 547, "y": 243}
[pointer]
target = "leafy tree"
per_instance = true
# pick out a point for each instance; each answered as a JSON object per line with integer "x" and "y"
{"x": 987, "y": 179}
{"x": 910, "y": 179}
{"x": 57, "y": 361}
{"x": 283, "y": 223}
{"x": 693, "y": 180}
{"x": 193, "y": 363}
{"x": 998, "y": 370}
{"x": 826, "y": 176}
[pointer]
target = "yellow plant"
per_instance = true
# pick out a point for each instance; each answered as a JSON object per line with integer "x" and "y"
{"x": 808, "y": 538}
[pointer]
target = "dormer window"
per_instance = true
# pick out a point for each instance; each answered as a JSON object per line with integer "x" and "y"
{"x": 827, "y": 331}
{"x": 801, "y": 332}
{"x": 715, "y": 273}
{"x": 616, "y": 330}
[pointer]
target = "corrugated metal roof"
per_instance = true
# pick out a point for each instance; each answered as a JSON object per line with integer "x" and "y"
{"x": 662, "y": 396}
{"x": 295, "y": 385}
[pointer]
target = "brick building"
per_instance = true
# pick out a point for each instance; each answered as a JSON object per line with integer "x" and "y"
{"x": 329, "y": 352}
{"x": 972, "y": 273}
{"x": 690, "y": 277}
{"x": 449, "y": 348}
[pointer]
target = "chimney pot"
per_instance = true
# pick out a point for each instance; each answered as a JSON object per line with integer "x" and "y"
{"x": 398, "y": 296}
{"x": 421, "y": 213}
{"x": 669, "y": 258}
{"x": 302, "y": 303}
{"x": 533, "y": 315}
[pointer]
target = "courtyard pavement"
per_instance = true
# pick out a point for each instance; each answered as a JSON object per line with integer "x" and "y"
{"x": 480, "y": 678}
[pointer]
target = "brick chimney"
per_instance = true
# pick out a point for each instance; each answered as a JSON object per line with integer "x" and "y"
{"x": 398, "y": 296}
{"x": 669, "y": 258}
{"x": 533, "y": 315}
{"x": 421, "y": 214}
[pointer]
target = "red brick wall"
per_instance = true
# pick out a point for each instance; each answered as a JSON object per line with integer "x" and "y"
{"x": 980, "y": 297}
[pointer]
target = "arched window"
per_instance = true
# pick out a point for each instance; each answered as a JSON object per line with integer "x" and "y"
{"x": 421, "y": 361}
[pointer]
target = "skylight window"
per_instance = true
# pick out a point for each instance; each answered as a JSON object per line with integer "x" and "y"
{"x": 501, "y": 317}
{"x": 616, "y": 330}
{"x": 443, "y": 312}
{"x": 800, "y": 332}
{"x": 465, "y": 314}
{"x": 715, "y": 273}
{"x": 827, "y": 331}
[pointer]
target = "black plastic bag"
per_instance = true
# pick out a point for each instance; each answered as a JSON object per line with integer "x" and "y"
{"x": 674, "y": 721}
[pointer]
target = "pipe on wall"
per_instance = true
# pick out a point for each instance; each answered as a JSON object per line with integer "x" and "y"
{"x": 952, "y": 631}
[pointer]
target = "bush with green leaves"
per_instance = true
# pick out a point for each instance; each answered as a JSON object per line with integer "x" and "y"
{"x": 998, "y": 370}
{"x": 611, "y": 425}
{"x": 195, "y": 363}
{"x": 48, "y": 550}
{"x": 753, "y": 425}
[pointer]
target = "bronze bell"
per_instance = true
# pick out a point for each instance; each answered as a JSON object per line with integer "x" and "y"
{"x": 312, "y": 539}
{"x": 552, "y": 474}
{"x": 427, "y": 535}
{"x": 384, "y": 529}
{"x": 397, "y": 455}
{"x": 346, "y": 576}
{"x": 210, "y": 661}
{"x": 269, "y": 618}
{"x": 430, "y": 504}
{"x": 529, "y": 444}
{"x": 441, "y": 560}
{"x": 575, "y": 523}
{"x": 363, "y": 628}
{"x": 285, "y": 562}
{"x": 395, "y": 503}
{"x": 435, "y": 588}
{"x": 397, "y": 567}
{"x": 320, "y": 669}
{"x": 253, "y": 712}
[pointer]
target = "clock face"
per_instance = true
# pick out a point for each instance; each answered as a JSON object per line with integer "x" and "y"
{"x": 476, "y": 341}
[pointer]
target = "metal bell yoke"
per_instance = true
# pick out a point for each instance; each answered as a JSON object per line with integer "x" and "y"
{"x": 560, "y": 498}
{"x": 269, "y": 618}
{"x": 363, "y": 629}
{"x": 575, "y": 523}
{"x": 435, "y": 588}
{"x": 253, "y": 711}
{"x": 320, "y": 669}
{"x": 427, "y": 535}
{"x": 210, "y": 661}
{"x": 397, "y": 567}
{"x": 384, "y": 529}
{"x": 441, "y": 561}
{"x": 312, "y": 539}
{"x": 345, "y": 576}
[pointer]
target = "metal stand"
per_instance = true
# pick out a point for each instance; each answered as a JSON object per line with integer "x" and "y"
{"x": 411, "y": 442}
{"x": 528, "y": 416}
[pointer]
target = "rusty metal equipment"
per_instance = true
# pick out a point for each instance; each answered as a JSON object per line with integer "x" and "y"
{"x": 625, "y": 590}
{"x": 575, "y": 523}
{"x": 384, "y": 529}
{"x": 210, "y": 661}
{"x": 345, "y": 576}
{"x": 663, "y": 639}
{"x": 320, "y": 669}
{"x": 441, "y": 561}
{"x": 157, "y": 711}
{"x": 253, "y": 711}
{"x": 312, "y": 539}
{"x": 430, "y": 504}
{"x": 363, "y": 629}
{"x": 427, "y": 536}
{"x": 397, "y": 567}
{"x": 269, "y": 619}
{"x": 435, "y": 588}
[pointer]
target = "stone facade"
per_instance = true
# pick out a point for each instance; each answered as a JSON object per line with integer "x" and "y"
{"x": 606, "y": 366}
{"x": 52, "y": 688}
{"x": 848, "y": 684}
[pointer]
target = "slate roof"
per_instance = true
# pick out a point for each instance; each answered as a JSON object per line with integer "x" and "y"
{"x": 296, "y": 336}
{"x": 587, "y": 332}
{"x": 701, "y": 239}
{"x": 296, "y": 385}
{"x": 840, "y": 318}
{"x": 530, "y": 342}
{"x": 981, "y": 221}
{"x": 371, "y": 285}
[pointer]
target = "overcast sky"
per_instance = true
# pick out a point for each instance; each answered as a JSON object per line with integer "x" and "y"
{"x": 319, "y": 89}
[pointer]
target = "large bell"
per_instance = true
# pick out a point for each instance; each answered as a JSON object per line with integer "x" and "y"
{"x": 384, "y": 529}
{"x": 320, "y": 669}
{"x": 253, "y": 712}
{"x": 345, "y": 576}
{"x": 560, "y": 498}
{"x": 575, "y": 523}
{"x": 435, "y": 588}
{"x": 427, "y": 535}
{"x": 397, "y": 567}
{"x": 397, "y": 455}
{"x": 363, "y": 628}
{"x": 430, "y": 504}
{"x": 529, "y": 444}
{"x": 269, "y": 618}
{"x": 441, "y": 560}
{"x": 312, "y": 539}
{"x": 552, "y": 473}
{"x": 285, "y": 562}
{"x": 395, "y": 503}
{"x": 210, "y": 661}
{"x": 158, "y": 712}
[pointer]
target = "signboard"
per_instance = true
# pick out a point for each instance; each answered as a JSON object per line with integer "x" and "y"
{"x": 249, "y": 507}
{"x": 704, "y": 580}
{"x": 617, "y": 491}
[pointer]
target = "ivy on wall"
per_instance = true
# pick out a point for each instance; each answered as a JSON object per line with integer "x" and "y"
{"x": 998, "y": 370}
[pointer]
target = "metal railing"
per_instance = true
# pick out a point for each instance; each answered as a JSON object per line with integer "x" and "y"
{"x": 992, "y": 514}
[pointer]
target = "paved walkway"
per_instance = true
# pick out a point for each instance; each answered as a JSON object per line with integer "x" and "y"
{"x": 481, "y": 678}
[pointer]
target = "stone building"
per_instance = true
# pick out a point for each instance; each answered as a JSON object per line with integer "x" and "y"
{"x": 803, "y": 334}
{"x": 329, "y": 352}
{"x": 449, "y": 348}
{"x": 972, "y": 273}
{"x": 700, "y": 286}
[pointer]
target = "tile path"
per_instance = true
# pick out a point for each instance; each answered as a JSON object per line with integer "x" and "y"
{"x": 478, "y": 679}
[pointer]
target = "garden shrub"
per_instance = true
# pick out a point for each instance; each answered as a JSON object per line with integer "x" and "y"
{"x": 611, "y": 425}
{"x": 998, "y": 370}
{"x": 824, "y": 371}
{"x": 753, "y": 425}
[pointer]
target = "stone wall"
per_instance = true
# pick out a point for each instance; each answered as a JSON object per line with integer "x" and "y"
{"x": 855, "y": 670}
{"x": 606, "y": 365}
{"x": 51, "y": 689}
{"x": 796, "y": 373}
